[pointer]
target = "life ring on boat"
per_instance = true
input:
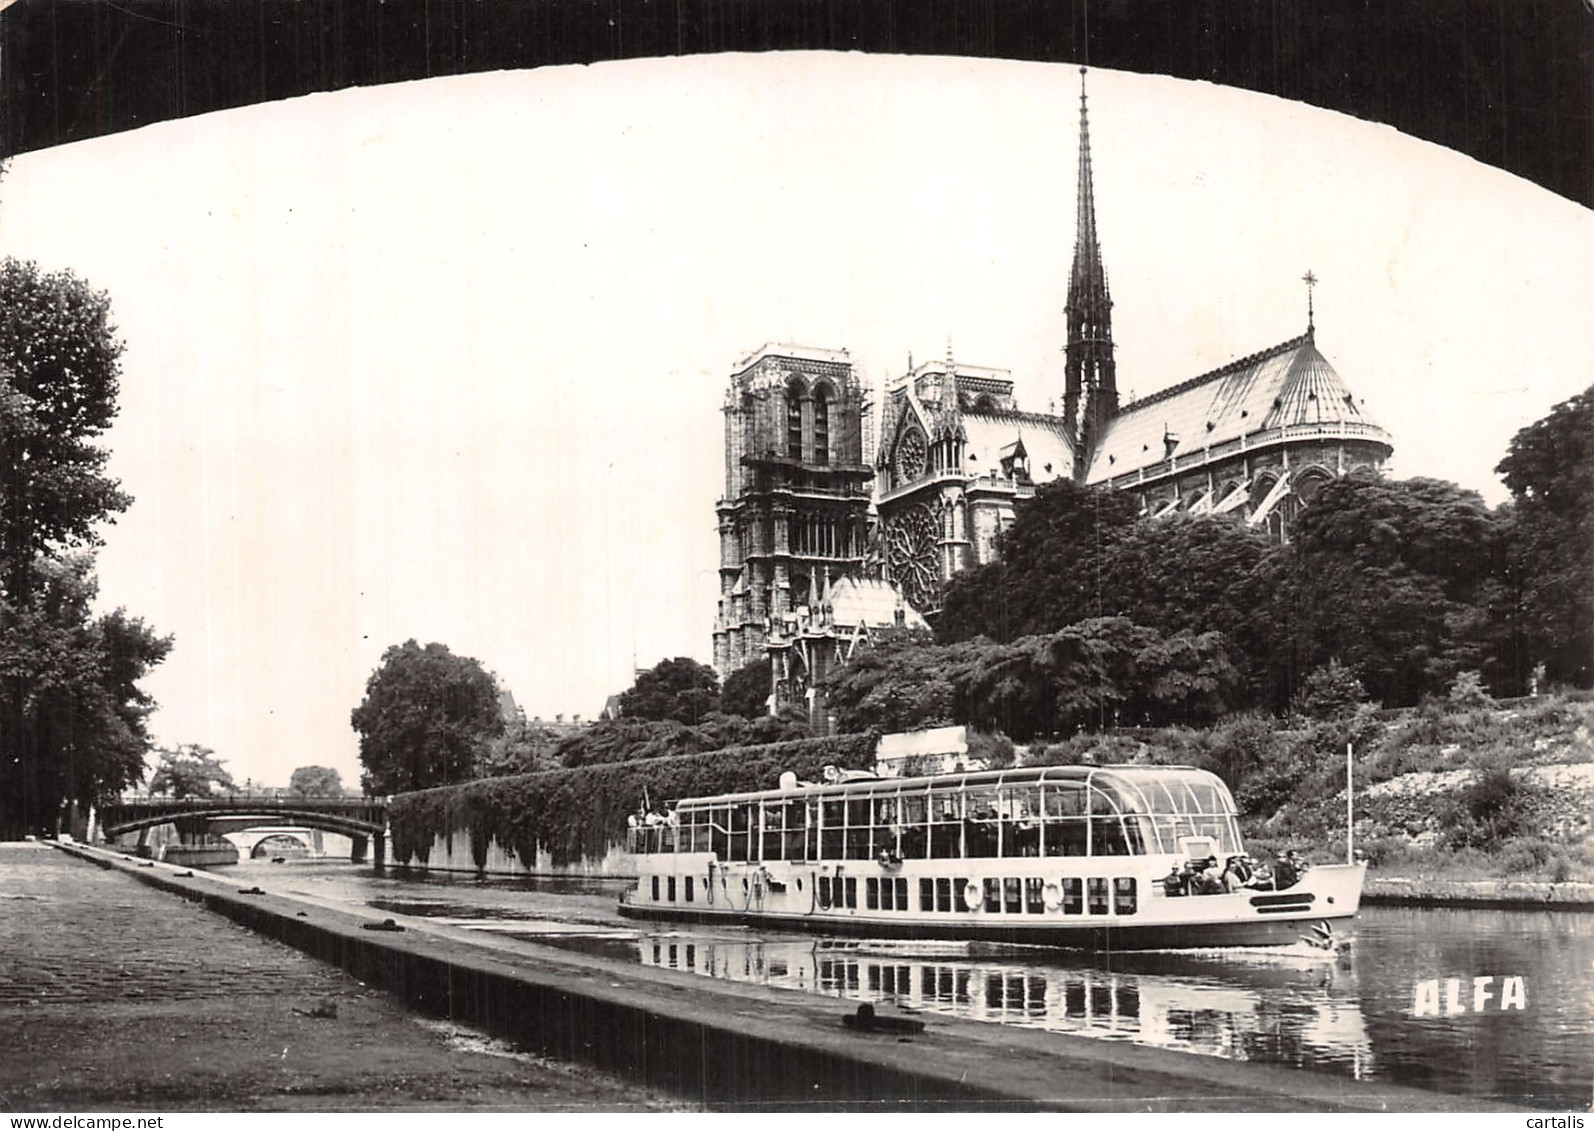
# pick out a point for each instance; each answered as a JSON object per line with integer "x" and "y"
{"x": 1054, "y": 896}
{"x": 973, "y": 896}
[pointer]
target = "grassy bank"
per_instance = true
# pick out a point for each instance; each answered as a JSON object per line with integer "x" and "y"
{"x": 1449, "y": 791}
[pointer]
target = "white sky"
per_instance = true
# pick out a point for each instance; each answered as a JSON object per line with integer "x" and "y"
{"x": 445, "y": 359}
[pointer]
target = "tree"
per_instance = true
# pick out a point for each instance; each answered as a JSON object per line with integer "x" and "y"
{"x": 1331, "y": 692}
{"x": 59, "y": 374}
{"x": 190, "y": 771}
{"x": 747, "y": 690}
{"x": 523, "y": 748}
{"x": 316, "y": 781}
{"x": 679, "y": 690}
{"x": 73, "y": 721}
{"x": 1395, "y": 578}
{"x": 426, "y": 718}
{"x": 72, "y": 718}
{"x": 1549, "y": 470}
{"x": 1052, "y": 570}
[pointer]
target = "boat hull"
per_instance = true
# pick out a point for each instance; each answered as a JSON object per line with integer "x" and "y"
{"x": 1328, "y": 898}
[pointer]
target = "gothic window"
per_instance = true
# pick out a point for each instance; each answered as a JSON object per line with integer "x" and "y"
{"x": 794, "y": 420}
{"x": 821, "y": 425}
{"x": 910, "y": 457}
{"x": 911, "y": 547}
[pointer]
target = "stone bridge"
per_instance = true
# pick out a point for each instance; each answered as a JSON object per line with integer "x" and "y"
{"x": 362, "y": 819}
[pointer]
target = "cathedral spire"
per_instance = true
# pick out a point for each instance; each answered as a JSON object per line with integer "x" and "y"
{"x": 1091, "y": 390}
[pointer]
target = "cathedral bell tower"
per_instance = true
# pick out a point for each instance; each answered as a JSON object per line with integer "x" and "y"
{"x": 1091, "y": 391}
{"x": 795, "y": 515}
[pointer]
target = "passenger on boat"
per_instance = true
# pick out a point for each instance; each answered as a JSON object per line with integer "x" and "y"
{"x": 1287, "y": 870}
{"x": 1174, "y": 882}
{"x": 1206, "y": 880}
{"x": 1235, "y": 874}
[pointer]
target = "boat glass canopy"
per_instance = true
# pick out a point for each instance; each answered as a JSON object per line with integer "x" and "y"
{"x": 1033, "y": 811}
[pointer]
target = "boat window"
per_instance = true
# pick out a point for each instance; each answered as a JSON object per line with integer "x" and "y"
{"x": 901, "y": 885}
{"x": 1107, "y": 837}
{"x": 914, "y": 840}
{"x": 833, "y": 818}
{"x": 858, "y": 828}
{"x": 871, "y": 894}
{"x": 993, "y": 894}
{"x": 886, "y": 826}
{"x": 946, "y": 824}
{"x": 943, "y": 893}
{"x": 852, "y": 892}
{"x": 689, "y": 888}
{"x": 774, "y": 814}
{"x": 1012, "y": 896}
{"x": 1063, "y": 832}
{"x": 926, "y": 894}
{"x": 744, "y": 822}
{"x": 655, "y": 888}
{"x": 981, "y": 832}
{"x": 1034, "y": 895}
{"x": 1123, "y": 892}
{"x": 670, "y": 889}
{"x": 1021, "y": 826}
{"x": 1073, "y": 896}
{"x": 1096, "y": 890}
{"x": 793, "y": 821}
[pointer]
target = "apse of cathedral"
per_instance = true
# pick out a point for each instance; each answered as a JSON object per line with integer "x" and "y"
{"x": 826, "y": 537}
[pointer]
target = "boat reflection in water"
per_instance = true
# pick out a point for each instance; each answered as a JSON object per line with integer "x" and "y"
{"x": 1191, "y": 1002}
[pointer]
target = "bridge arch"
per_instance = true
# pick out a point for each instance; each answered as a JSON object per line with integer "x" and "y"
{"x": 115, "y": 826}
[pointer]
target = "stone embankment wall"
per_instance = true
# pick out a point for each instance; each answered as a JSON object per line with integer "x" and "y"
{"x": 454, "y": 852}
{"x": 1479, "y": 893}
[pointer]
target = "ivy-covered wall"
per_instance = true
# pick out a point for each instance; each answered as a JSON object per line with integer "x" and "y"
{"x": 576, "y": 819}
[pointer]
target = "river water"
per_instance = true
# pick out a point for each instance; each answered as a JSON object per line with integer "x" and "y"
{"x": 1486, "y": 1003}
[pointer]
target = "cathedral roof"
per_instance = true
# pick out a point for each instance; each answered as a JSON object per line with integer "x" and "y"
{"x": 992, "y": 435}
{"x": 1290, "y": 386}
{"x": 871, "y": 602}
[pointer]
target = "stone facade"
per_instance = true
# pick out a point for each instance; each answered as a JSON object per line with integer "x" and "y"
{"x": 795, "y": 514}
{"x": 1254, "y": 439}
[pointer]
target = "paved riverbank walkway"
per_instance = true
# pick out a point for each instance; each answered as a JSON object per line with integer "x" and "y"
{"x": 115, "y": 997}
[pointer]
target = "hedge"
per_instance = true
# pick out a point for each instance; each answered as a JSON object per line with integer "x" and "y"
{"x": 577, "y": 814}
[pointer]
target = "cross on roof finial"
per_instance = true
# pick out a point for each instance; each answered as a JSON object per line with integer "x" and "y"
{"x": 1311, "y": 281}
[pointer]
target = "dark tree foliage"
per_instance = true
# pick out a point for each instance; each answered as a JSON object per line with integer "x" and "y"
{"x": 73, "y": 721}
{"x": 747, "y": 690}
{"x": 426, "y": 716}
{"x": 628, "y": 740}
{"x": 72, "y": 717}
{"x": 679, "y": 690}
{"x": 523, "y": 748}
{"x": 1330, "y": 692}
{"x": 1053, "y": 569}
{"x": 1193, "y": 574}
{"x": 1392, "y": 578}
{"x": 316, "y": 781}
{"x": 191, "y": 771}
{"x": 1100, "y": 672}
{"x": 59, "y": 373}
{"x": 1549, "y": 470}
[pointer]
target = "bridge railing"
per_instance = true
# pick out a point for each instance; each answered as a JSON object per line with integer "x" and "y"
{"x": 249, "y": 797}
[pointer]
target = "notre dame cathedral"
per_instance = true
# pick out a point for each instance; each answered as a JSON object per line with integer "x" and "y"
{"x": 826, "y": 535}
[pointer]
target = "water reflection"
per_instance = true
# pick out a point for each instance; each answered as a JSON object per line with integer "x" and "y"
{"x": 1191, "y": 1003}
{"x": 1355, "y": 1017}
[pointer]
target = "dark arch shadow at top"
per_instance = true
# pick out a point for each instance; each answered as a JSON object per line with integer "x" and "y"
{"x": 1509, "y": 82}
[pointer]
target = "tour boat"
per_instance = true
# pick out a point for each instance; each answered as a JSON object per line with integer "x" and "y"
{"x": 1084, "y": 857}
